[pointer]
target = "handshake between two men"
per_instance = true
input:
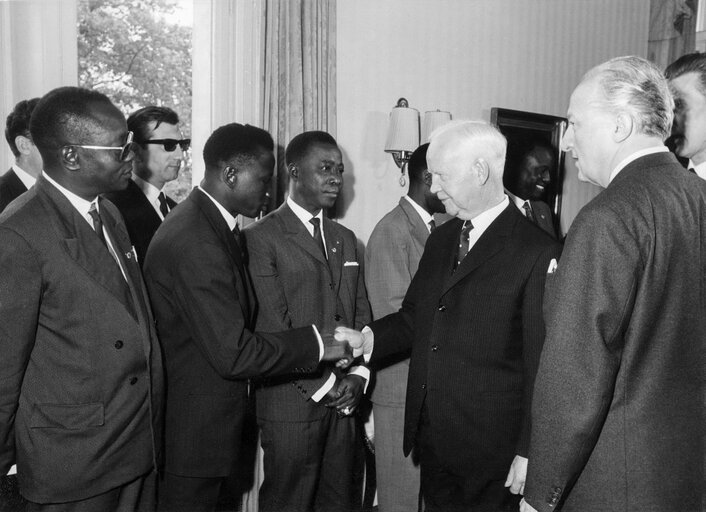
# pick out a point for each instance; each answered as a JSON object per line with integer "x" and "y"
{"x": 346, "y": 345}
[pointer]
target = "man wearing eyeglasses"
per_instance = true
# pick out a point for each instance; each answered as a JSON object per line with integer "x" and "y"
{"x": 160, "y": 153}
{"x": 81, "y": 376}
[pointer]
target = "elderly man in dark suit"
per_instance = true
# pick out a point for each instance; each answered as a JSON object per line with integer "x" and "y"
{"x": 473, "y": 319}
{"x": 81, "y": 376}
{"x": 619, "y": 413}
{"x": 205, "y": 310}
{"x": 28, "y": 162}
{"x": 391, "y": 260}
{"x": 305, "y": 269}
{"x": 160, "y": 151}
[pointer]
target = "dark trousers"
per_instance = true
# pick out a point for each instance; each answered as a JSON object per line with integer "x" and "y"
{"x": 311, "y": 466}
{"x": 188, "y": 494}
{"x": 445, "y": 489}
{"x": 136, "y": 496}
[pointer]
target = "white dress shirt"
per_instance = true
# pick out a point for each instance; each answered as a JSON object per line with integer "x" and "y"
{"x": 151, "y": 193}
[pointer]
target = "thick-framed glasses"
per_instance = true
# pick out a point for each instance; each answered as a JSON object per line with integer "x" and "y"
{"x": 170, "y": 145}
{"x": 125, "y": 151}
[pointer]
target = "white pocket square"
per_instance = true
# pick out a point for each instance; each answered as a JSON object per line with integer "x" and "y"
{"x": 350, "y": 264}
{"x": 552, "y": 266}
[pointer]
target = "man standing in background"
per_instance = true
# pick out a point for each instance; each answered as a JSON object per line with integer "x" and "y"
{"x": 28, "y": 162}
{"x": 391, "y": 260}
{"x": 160, "y": 152}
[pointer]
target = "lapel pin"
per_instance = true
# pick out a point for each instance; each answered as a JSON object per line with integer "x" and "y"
{"x": 333, "y": 249}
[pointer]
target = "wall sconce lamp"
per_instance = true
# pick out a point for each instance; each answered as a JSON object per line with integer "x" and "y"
{"x": 403, "y": 132}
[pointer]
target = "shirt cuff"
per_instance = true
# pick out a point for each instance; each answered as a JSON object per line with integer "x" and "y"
{"x": 361, "y": 371}
{"x": 368, "y": 343}
{"x": 321, "y": 342}
{"x": 323, "y": 390}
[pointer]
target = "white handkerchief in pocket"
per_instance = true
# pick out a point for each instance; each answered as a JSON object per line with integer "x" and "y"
{"x": 350, "y": 264}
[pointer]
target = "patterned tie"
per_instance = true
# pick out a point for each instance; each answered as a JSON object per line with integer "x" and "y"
{"x": 463, "y": 243}
{"x": 432, "y": 225}
{"x": 317, "y": 235}
{"x": 163, "y": 206}
{"x": 528, "y": 212}
{"x": 97, "y": 222}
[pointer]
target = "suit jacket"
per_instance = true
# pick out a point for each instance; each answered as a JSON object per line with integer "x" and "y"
{"x": 140, "y": 216}
{"x": 205, "y": 310}
{"x": 81, "y": 376}
{"x": 391, "y": 260}
{"x": 296, "y": 286}
{"x": 618, "y": 416}
{"x": 542, "y": 214}
{"x": 11, "y": 187}
{"x": 476, "y": 335}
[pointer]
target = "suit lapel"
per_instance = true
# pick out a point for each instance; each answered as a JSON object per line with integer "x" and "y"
{"x": 82, "y": 245}
{"x": 491, "y": 242}
{"x": 298, "y": 234}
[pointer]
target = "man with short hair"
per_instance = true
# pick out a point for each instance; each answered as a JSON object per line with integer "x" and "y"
{"x": 619, "y": 413}
{"x": 28, "y": 162}
{"x": 305, "y": 269}
{"x": 391, "y": 260}
{"x": 527, "y": 178}
{"x": 472, "y": 317}
{"x": 160, "y": 152}
{"x": 687, "y": 81}
{"x": 205, "y": 310}
{"x": 81, "y": 376}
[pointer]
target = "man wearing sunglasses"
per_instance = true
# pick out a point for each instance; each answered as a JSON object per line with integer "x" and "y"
{"x": 81, "y": 380}
{"x": 160, "y": 152}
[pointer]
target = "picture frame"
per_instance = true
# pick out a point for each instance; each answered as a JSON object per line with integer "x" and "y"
{"x": 526, "y": 131}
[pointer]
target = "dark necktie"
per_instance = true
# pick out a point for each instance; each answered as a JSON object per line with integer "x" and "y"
{"x": 528, "y": 212}
{"x": 163, "y": 206}
{"x": 692, "y": 170}
{"x": 463, "y": 243}
{"x": 97, "y": 222}
{"x": 317, "y": 235}
{"x": 432, "y": 225}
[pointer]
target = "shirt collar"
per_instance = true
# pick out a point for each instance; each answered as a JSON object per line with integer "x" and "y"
{"x": 230, "y": 220}
{"x": 150, "y": 191}
{"x": 485, "y": 219}
{"x": 518, "y": 201}
{"x": 635, "y": 156}
{"x": 700, "y": 169}
{"x": 26, "y": 178}
{"x": 425, "y": 215}
{"x": 304, "y": 215}
{"x": 79, "y": 203}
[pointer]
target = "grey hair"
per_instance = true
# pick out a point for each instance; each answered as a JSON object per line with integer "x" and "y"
{"x": 479, "y": 136}
{"x": 635, "y": 85}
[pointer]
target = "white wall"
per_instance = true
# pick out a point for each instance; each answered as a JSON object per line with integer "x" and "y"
{"x": 464, "y": 56}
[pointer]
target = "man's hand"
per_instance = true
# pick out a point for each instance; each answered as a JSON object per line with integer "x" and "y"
{"x": 359, "y": 342}
{"x": 516, "y": 476}
{"x": 526, "y": 507}
{"x": 337, "y": 351}
{"x": 349, "y": 392}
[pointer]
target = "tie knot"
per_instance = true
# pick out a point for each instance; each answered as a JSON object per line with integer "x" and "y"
{"x": 316, "y": 222}
{"x": 163, "y": 205}
{"x": 467, "y": 227}
{"x": 432, "y": 225}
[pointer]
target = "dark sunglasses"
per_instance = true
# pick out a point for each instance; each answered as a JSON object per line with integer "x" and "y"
{"x": 170, "y": 144}
{"x": 125, "y": 151}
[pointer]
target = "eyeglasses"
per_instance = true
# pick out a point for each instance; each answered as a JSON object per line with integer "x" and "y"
{"x": 125, "y": 151}
{"x": 170, "y": 144}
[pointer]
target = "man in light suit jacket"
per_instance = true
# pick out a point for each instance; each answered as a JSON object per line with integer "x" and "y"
{"x": 81, "y": 377}
{"x": 205, "y": 310}
{"x": 472, "y": 317}
{"x": 160, "y": 152}
{"x": 28, "y": 162}
{"x": 528, "y": 177}
{"x": 305, "y": 269}
{"x": 391, "y": 260}
{"x": 619, "y": 413}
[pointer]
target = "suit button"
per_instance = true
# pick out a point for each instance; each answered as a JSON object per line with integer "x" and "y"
{"x": 133, "y": 381}
{"x": 119, "y": 344}
{"x": 424, "y": 386}
{"x": 337, "y": 317}
{"x": 434, "y": 348}
{"x": 330, "y": 285}
{"x": 442, "y": 307}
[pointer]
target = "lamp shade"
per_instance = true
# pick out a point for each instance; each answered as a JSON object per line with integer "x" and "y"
{"x": 403, "y": 131}
{"x": 432, "y": 120}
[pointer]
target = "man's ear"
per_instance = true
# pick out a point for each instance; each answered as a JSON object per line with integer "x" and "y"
{"x": 293, "y": 171}
{"x": 230, "y": 176}
{"x": 24, "y": 144}
{"x": 481, "y": 170}
{"x": 427, "y": 178}
{"x": 624, "y": 125}
{"x": 69, "y": 158}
